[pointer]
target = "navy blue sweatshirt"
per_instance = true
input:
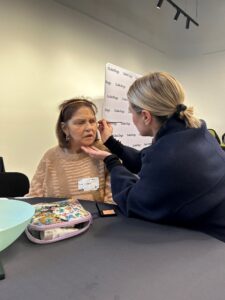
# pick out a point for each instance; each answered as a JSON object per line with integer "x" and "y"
{"x": 180, "y": 178}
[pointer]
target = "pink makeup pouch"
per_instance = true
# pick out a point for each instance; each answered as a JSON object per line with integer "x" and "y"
{"x": 57, "y": 221}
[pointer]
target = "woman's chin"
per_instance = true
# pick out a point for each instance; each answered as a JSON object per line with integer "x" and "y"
{"x": 88, "y": 143}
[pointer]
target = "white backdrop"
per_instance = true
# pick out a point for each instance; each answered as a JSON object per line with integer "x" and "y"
{"x": 115, "y": 107}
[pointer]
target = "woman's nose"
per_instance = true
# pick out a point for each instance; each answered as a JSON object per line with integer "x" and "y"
{"x": 89, "y": 125}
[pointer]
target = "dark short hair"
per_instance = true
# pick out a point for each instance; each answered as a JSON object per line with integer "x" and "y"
{"x": 67, "y": 109}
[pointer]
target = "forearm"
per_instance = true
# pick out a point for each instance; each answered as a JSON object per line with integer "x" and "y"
{"x": 131, "y": 157}
{"x": 112, "y": 161}
{"x": 36, "y": 189}
{"x": 122, "y": 181}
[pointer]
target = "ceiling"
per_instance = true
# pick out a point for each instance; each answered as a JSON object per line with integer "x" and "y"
{"x": 141, "y": 20}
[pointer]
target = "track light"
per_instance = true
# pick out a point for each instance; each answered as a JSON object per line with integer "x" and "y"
{"x": 188, "y": 23}
{"x": 178, "y": 12}
{"x": 160, "y": 2}
{"x": 177, "y": 15}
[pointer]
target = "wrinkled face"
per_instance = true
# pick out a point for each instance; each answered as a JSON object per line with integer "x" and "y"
{"x": 81, "y": 128}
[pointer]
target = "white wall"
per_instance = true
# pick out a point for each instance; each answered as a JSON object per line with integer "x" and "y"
{"x": 50, "y": 53}
{"x": 204, "y": 80}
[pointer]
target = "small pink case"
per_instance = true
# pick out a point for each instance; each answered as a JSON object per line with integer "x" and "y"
{"x": 56, "y": 221}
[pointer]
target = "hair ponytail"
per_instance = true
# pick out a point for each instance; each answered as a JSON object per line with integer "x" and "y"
{"x": 188, "y": 116}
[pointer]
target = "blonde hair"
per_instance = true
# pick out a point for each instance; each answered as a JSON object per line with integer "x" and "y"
{"x": 161, "y": 94}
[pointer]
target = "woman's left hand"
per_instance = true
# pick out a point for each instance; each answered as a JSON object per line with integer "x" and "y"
{"x": 95, "y": 152}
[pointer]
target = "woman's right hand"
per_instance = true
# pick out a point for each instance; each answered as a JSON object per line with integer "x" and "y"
{"x": 105, "y": 130}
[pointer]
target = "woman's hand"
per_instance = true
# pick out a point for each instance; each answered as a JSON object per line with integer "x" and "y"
{"x": 105, "y": 130}
{"x": 95, "y": 152}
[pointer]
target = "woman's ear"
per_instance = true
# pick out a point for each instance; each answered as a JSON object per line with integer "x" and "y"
{"x": 64, "y": 128}
{"x": 147, "y": 116}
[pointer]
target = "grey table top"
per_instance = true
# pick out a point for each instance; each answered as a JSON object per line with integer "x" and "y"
{"x": 117, "y": 259}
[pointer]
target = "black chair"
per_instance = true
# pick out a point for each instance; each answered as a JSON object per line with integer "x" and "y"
{"x": 13, "y": 184}
{"x": 214, "y": 133}
{"x": 223, "y": 138}
{"x": 2, "y": 167}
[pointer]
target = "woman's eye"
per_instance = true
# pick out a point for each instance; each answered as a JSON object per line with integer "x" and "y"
{"x": 79, "y": 122}
{"x": 83, "y": 122}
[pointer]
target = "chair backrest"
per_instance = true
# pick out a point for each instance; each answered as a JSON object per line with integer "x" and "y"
{"x": 213, "y": 133}
{"x": 223, "y": 138}
{"x": 2, "y": 167}
{"x": 13, "y": 184}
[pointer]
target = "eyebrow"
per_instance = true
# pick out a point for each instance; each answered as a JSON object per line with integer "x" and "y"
{"x": 80, "y": 119}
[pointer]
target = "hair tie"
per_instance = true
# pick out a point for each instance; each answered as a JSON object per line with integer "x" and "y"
{"x": 180, "y": 108}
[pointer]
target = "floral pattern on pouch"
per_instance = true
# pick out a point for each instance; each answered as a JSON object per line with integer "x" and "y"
{"x": 58, "y": 212}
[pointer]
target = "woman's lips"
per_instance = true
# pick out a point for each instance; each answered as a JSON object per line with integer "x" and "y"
{"x": 88, "y": 136}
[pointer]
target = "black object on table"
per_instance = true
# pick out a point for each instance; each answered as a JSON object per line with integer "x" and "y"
{"x": 2, "y": 272}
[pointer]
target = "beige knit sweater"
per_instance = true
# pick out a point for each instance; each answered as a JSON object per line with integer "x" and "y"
{"x": 59, "y": 172}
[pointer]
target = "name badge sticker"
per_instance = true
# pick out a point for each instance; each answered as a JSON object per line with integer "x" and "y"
{"x": 88, "y": 184}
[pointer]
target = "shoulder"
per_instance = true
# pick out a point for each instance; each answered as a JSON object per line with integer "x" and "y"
{"x": 181, "y": 145}
{"x": 52, "y": 152}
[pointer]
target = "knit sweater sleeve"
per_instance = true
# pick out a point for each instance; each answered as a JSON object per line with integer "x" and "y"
{"x": 108, "y": 193}
{"x": 37, "y": 183}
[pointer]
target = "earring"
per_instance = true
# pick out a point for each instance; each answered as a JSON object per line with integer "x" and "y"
{"x": 67, "y": 138}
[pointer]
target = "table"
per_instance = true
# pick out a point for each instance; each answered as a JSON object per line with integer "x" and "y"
{"x": 117, "y": 259}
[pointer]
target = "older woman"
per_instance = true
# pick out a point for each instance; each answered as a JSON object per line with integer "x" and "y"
{"x": 65, "y": 170}
{"x": 181, "y": 176}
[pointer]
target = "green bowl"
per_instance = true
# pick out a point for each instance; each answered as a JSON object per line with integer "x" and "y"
{"x": 14, "y": 218}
